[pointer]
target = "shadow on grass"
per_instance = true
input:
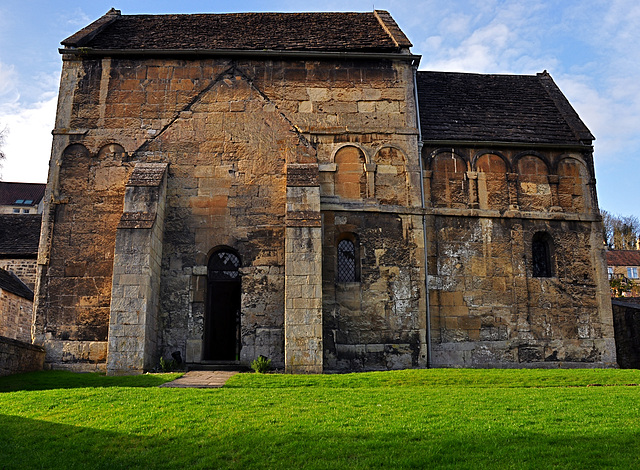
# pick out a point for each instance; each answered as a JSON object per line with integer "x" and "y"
{"x": 31, "y": 443}
{"x": 50, "y": 380}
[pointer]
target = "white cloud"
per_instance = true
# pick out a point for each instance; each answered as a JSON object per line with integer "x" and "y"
{"x": 28, "y": 141}
{"x": 8, "y": 79}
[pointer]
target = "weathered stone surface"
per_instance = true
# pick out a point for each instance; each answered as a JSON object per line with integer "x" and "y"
{"x": 137, "y": 262}
{"x": 277, "y": 161}
{"x": 18, "y": 357}
{"x": 16, "y": 314}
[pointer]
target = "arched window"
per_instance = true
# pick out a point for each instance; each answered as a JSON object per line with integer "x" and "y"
{"x": 541, "y": 254}
{"x": 347, "y": 269}
{"x": 224, "y": 265}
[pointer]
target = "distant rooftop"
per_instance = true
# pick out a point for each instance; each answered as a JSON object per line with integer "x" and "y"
{"x": 27, "y": 194}
{"x": 11, "y": 283}
{"x": 324, "y": 32}
{"x": 527, "y": 109}
{"x": 19, "y": 235}
{"x": 623, "y": 258}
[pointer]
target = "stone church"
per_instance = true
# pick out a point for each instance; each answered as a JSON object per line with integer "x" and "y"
{"x": 224, "y": 186}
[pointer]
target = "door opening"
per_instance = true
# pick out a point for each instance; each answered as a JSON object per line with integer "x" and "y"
{"x": 222, "y": 339}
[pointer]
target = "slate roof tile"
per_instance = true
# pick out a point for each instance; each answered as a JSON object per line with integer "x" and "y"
{"x": 11, "y": 283}
{"x": 12, "y": 192}
{"x": 497, "y": 108}
{"x": 355, "y": 32}
{"x": 623, "y": 258}
{"x": 19, "y": 234}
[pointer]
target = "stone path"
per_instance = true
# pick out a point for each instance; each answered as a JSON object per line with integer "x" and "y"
{"x": 201, "y": 379}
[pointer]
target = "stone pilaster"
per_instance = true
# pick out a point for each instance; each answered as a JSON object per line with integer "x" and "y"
{"x": 303, "y": 271}
{"x": 137, "y": 260}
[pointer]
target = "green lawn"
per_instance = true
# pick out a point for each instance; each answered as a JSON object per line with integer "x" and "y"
{"x": 440, "y": 418}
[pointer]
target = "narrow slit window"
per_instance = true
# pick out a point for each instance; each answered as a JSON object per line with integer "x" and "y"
{"x": 541, "y": 255}
{"x": 346, "y": 261}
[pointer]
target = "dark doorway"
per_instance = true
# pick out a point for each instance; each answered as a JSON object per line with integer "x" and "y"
{"x": 222, "y": 321}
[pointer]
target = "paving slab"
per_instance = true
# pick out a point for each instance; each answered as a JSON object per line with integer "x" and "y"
{"x": 201, "y": 379}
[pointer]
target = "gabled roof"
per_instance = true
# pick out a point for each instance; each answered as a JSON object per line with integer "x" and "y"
{"x": 325, "y": 32}
{"x": 623, "y": 258}
{"x": 19, "y": 235}
{"x": 11, "y": 193}
{"x": 528, "y": 109}
{"x": 11, "y": 283}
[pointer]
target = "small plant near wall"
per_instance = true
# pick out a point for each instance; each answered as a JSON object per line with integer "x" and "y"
{"x": 167, "y": 366}
{"x": 171, "y": 364}
{"x": 261, "y": 364}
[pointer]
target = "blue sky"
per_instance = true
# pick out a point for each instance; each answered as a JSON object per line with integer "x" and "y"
{"x": 590, "y": 47}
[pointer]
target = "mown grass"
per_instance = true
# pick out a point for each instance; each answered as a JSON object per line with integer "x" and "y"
{"x": 403, "y": 419}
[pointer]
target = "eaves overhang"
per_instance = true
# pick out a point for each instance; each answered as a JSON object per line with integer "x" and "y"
{"x": 582, "y": 146}
{"x": 413, "y": 59}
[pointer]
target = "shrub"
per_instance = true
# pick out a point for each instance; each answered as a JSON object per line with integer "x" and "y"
{"x": 167, "y": 366}
{"x": 261, "y": 364}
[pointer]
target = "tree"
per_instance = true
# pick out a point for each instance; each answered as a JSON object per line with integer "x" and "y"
{"x": 620, "y": 232}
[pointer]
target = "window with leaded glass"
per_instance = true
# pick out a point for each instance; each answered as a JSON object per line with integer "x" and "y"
{"x": 347, "y": 268}
{"x": 224, "y": 265}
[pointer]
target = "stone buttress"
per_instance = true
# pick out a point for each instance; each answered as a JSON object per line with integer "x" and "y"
{"x": 303, "y": 271}
{"x": 137, "y": 262}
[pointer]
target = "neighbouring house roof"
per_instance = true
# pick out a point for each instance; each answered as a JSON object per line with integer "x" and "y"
{"x": 19, "y": 235}
{"x": 27, "y": 194}
{"x": 623, "y": 258}
{"x": 339, "y": 32}
{"x": 527, "y": 109}
{"x": 11, "y": 283}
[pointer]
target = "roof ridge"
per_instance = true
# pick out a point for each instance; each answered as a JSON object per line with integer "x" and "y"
{"x": 577, "y": 126}
{"x": 90, "y": 31}
{"x": 391, "y": 28}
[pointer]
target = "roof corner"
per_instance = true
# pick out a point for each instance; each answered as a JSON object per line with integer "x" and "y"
{"x": 391, "y": 27}
{"x": 88, "y": 32}
{"x": 12, "y": 283}
{"x": 582, "y": 133}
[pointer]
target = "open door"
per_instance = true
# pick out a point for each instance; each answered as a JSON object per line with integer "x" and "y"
{"x": 222, "y": 321}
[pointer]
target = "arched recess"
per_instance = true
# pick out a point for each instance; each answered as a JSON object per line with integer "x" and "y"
{"x": 111, "y": 150}
{"x": 74, "y": 170}
{"x": 449, "y": 185}
{"x": 391, "y": 176}
{"x": 534, "y": 191}
{"x": 493, "y": 190}
{"x": 573, "y": 191}
{"x": 107, "y": 170}
{"x": 350, "y": 181}
{"x": 222, "y": 328}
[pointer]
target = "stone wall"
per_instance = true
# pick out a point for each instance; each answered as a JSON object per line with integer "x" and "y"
{"x": 18, "y": 356}
{"x": 227, "y": 129}
{"x": 16, "y": 315}
{"x": 489, "y": 305}
{"x": 626, "y": 320}
{"x": 24, "y": 268}
{"x": 229, "y": 132}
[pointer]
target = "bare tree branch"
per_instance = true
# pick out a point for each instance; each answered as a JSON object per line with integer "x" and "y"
{"x": 620, "y": 232}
